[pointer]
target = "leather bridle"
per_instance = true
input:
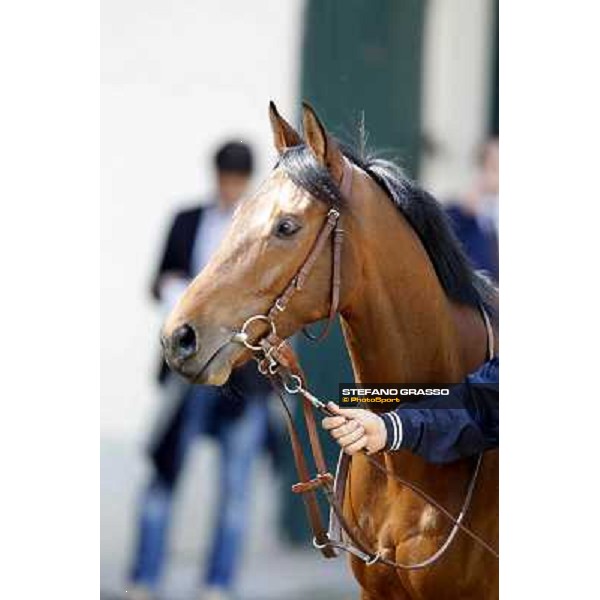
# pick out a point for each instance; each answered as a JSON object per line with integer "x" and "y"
{"x": 277, "y": 360}
{"x": 331, "y": 226}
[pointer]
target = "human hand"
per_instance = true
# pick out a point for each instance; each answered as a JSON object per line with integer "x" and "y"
{"x": 355, "y": 428}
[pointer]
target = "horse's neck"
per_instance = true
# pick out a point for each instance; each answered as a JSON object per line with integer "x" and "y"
{"x": 402, "y": 327}
{"x": 387, "y": 344}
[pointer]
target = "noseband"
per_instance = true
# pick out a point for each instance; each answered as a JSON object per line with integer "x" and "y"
{"x": 277, "y": 361}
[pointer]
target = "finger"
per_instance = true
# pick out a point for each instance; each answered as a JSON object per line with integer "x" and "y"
{"x": 356, "y": 446}
{"x": 348, "y": 427}
{"x": 350, "y": 438}
{"x": 348, "y": 413}
{"x": 332, "y": 422}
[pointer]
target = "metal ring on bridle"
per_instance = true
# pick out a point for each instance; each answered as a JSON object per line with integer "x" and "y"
{"x": 248, "y": 322}
{"x": 319, "y": 546}
{"x": 293, "y": 390}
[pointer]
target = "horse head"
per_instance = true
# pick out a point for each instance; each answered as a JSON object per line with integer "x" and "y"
{"x": 270, "y": 237}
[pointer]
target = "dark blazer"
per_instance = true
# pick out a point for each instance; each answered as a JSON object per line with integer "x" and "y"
{"x": 177, "y": 258}
{"x": 177, "y": 253}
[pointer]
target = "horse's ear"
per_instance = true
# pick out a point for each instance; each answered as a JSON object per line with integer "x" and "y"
{"x": 322, "y": 145}
{"x": 284, "y": 135}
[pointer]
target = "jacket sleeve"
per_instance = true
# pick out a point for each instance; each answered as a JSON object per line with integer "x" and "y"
{"x": 447, "y": 428}
{"x": 172, "y": 259}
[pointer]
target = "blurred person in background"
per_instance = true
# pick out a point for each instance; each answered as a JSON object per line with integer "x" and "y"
{"x": 474, "y": 215}
{"x": 236, "y": 414}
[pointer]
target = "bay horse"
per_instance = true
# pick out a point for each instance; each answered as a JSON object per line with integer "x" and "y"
{"x": 410, "y": 307}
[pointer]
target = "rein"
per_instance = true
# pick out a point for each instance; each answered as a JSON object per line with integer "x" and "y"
{"x": 277, "y": 361}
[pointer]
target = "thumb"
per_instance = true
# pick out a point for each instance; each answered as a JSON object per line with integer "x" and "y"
{"x": 335, "y": 409}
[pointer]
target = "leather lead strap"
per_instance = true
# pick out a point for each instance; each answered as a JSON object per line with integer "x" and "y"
{"x": 306, "y": 487}
{"x": 313, "y": 436}
{"x": 489, "y": 330}
{"x": 287, "y": 364}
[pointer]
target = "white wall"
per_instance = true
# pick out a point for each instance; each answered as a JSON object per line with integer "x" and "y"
{"x": 178, "y": 77}
{"x": 455, "y": 89}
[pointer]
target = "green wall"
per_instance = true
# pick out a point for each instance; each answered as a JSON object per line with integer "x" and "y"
{"x": 366, "y": 56}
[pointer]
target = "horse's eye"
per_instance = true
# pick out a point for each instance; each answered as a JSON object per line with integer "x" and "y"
{"x": 286, "y": 227}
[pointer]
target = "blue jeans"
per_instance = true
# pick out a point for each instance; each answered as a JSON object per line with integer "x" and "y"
{"x": 240, "y": 441}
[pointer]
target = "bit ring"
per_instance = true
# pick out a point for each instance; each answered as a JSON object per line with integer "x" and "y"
{"x": 254, "y": 319}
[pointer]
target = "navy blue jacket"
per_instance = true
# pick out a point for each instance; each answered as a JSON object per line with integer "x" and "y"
{"x": 442, "y": 429}
{"x": 480, "y": 244}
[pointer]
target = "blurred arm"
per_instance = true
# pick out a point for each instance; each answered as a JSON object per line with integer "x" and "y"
{"x": 172, "y": 274}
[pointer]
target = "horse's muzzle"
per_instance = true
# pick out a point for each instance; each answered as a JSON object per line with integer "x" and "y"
{"x": 179, "y": 346}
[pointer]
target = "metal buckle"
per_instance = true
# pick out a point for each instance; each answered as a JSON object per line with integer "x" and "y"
{"x": 261, "y": 368}
{"x": 273, "y": 364}
{"x": 373, "y": 559}
{"x": 268, "y": 365}
{"x": 319, "y": 546}
{"x": 333, "y": 215}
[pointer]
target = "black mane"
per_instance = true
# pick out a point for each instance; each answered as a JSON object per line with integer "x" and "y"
{"x": 457, "y": 276}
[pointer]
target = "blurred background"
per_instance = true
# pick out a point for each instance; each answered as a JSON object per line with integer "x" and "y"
{"x": 178, "y": 80}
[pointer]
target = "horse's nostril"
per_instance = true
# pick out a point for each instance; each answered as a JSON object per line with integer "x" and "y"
{"x": 184, "y": 342}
